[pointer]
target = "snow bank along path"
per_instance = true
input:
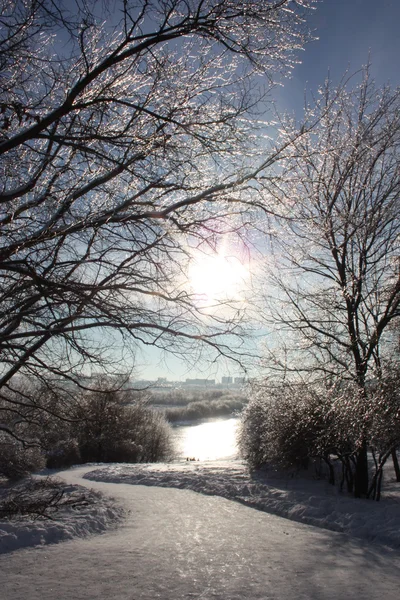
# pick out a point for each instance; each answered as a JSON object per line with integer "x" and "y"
{"x": 176, "y": 544}
{"x": 95, "y": 515}
{"x": 296, "y": 498}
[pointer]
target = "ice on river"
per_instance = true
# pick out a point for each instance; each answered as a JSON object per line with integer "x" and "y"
{"x": 209, "y": 440}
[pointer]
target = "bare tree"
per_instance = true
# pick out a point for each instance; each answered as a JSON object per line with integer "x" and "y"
{"x": 127, "y": 138}
{"x": 337, "y": 287}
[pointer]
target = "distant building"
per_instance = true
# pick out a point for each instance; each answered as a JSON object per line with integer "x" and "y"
{"x": 240, "y": 380}
{"x": 200, "y": 382}
{"x": 227, "y": 380}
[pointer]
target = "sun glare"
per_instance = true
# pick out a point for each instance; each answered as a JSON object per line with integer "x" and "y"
{"x": 217, "y": 277}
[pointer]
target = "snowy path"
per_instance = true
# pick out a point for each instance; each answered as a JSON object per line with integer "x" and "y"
{"x": 177, "y": 544}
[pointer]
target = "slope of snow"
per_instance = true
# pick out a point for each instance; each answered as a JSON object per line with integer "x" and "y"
{"x": 307, "y": 501}
{"x": 96, "y": 515}
{"x": 176, "y": 544}
{"x": 298, "y": 499}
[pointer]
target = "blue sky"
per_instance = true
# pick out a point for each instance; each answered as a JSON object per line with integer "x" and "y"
{"x": 348, "y": 31}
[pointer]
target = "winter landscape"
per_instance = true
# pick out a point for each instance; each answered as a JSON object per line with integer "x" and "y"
{"x": 216, "y": 535}
{"x": 199, "y": 299}
{"x": 205, "y": 529}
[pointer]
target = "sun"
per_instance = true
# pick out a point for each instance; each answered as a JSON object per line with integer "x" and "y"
{"x": 217, "y": 277}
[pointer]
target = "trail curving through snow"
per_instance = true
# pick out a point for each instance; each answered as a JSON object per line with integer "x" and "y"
{"x": 176, "y": 544}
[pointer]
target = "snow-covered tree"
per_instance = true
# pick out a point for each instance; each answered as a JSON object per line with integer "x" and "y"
{"x": 334, "y": 281}
{"x": 127, "y": 139}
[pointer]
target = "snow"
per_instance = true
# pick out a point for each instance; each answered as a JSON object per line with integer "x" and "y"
{"x": 303, "y": 500}
{"x": 310, "y": 501}
{"x": 96, "y": 515}
{"x": 176, "y": 544}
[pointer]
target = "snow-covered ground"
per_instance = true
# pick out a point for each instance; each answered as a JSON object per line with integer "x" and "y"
{"x": 97, "y": 513}
{"x": 176, "y": 544}
{"x": 305, "y": 500}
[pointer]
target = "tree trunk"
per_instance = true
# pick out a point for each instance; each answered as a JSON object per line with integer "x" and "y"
{"x": 349, "y": 476}
{"x": 331, "y": 470}
{"x": 361, "y": 474}
{"x": 396, "y": 464}
{"x": 379, "y": 485}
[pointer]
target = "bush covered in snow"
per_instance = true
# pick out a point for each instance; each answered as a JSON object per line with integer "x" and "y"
{"x": 111, "y": 429}
{"x": 281, "y": 426}
{"x": 183, "y": 397}
{"x": 226, "y": 404}
{"x": 61, "y": 427}
{"x": 291, "y": 425}
{"x": 40, "y": 498}
{"x": 17, "y": 460}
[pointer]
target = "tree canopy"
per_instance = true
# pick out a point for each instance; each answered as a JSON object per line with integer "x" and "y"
{"x": 127, "y": 138}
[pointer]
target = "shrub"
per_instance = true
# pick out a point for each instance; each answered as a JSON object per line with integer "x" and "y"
{"x": 110, "y": 429}
{"x": 281, "y": 427}
{"x": 41, "y": 499}
{"x": 184, "y": 397}
{"x": 289, "y": 425}
{"x": 17, "y": 460}
{"x": 216, "y": 407}
{"x": 254, "y": 431}
{"x": 151, "y": 433}
{"x": 66, "y": 427}
{"x": 64, "y": 453}
{"x": 45, "y": 424}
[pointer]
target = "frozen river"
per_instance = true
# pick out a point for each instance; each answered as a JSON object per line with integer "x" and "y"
{"x": 210, "y": 440}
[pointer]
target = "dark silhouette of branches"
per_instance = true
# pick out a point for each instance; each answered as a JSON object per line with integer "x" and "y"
{"x": 127, "y": 139}
{"x": 337, "y": 286}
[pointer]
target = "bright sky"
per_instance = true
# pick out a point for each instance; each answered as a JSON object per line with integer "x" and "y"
{"x": 348, "y": 30}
